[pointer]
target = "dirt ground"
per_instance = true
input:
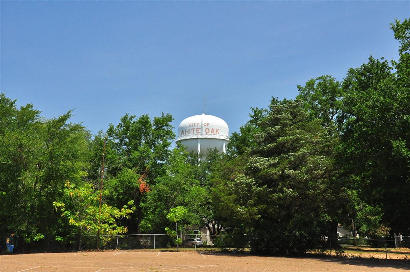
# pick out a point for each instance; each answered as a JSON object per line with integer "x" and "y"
{"x": 152, "y": 261}
{"x": 369, "y": 253}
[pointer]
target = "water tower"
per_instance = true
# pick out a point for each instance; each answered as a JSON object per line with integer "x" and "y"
{"x": 200, "y": 133}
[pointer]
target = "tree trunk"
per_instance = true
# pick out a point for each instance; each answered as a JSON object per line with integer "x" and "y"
{"x": 333, "y": 234}
{"x": 354, "y": 232}
{"x": 79, "y": 239}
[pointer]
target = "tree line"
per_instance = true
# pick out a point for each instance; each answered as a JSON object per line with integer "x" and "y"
{"x": 336, "y": 154}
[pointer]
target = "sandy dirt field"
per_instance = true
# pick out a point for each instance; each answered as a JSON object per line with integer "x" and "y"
{"x": 152, "y": 261}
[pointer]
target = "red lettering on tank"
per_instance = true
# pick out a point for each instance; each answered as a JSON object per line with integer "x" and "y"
{"x": 197, "y": 129}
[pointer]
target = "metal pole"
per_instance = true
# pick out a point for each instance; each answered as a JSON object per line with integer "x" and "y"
{"x": 154, "y": 241}
{"x": 176, "y": 228}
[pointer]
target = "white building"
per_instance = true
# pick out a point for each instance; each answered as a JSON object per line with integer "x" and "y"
{"x": 200, "y": 133}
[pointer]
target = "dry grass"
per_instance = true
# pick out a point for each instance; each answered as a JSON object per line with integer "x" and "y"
{"x": 367, "y": 253}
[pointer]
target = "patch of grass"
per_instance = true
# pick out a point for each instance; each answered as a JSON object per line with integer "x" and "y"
{"x": 364, "y": 252}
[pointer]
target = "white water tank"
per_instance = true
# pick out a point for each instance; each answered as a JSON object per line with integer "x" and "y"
{"x": 200, "y": 133}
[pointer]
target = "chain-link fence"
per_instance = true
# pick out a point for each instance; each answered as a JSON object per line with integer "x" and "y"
{"x": 137, "y": 241}
{"x": 155, "y": 241}
{"x": 146, "y": 241}
{"x": 396, "y": 247}
{"x": 397, "y": 241}
{"x": 401, "y": 241}
{"x": 223, "y": 240}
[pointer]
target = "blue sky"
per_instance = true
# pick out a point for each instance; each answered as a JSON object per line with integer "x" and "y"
{"x": 103, "y": 59}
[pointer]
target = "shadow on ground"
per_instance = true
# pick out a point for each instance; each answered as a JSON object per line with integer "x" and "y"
{"x": 369, "y": 262}
{"x": 378, "y": 250}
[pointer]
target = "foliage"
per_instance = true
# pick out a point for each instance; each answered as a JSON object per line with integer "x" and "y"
{"x": 37, "y": 157}
{"x": 177, "y": 188}
{"x": 177, "y": 214}
{"x": 293, "y": 169}
{"x": 322, "y": 98}
{"x": 137, "y": 150}
{"x": 375, "y": 136}
{"x": 80, "y": 207}
{"x": 243, "y": 141}
{"x": 369, "y": 114}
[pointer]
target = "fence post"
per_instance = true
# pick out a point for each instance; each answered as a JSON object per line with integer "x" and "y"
{"x": 117, "y": 243}
{"x": 395, "y": 240}
{"x": 154, "y": 241}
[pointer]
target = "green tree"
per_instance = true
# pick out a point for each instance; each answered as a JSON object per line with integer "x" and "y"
{"x": 290, "y": 174}
{"x": 80, "y": 207}
{"x": 376, "y": 133}
{"x": 177, "y": 215}
{"x": 322, "y": 99}
{"x": 178, "y": 187}
{"x": 137, "y": 150}
{"x": 37, "y": 157}
{"x": 19, "y": 139}
{"x": 375, "y": 139}
{"x": 243, "y": 141}
{"x": 368, "y": 113}
{"x": 233, "y": 196}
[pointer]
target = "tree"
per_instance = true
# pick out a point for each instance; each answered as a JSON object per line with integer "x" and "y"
{"x": 178, "y": 187}
{"x": 402, "y": 34}
{"x": 19, "y": 139}
{"x": 243, "y": 141}
{"x": 322, "y": 99}
{"x": 368, "y": 113}
{"x": 177, "y": 215}
{"x": 137, "y": 150}
{"x": 80, "y": 207}
{"x": 375, "y": 138}
{"x": 37, "y": 157}
{"x": 375, "y": 135}
{"x": 286, "y": 188}
{"x": 233, "y": 196}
